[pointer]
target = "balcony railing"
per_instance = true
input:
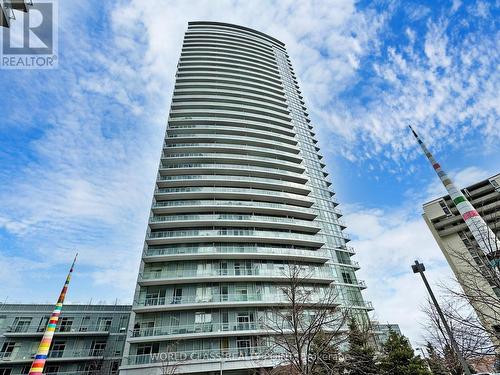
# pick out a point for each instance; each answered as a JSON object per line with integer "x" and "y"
{"x": 68, "y": 329}
{"x": 67, "y": 353}
{"x": 235, "y": 232}
{"x": 214, "y": 202}
{"x": 199, "y": 189}
{"x": 196, "y": 328}
{"x": 233, "y": 217}
{"x": 232, "y": 156}
{"x": 233, "y": 166}
{"x": 220, "y": 298}
{"x": 228, "y": 145}
{"x": 151, "y": 252}
{"x": 215, "y": 354}
{"x": 321, "y": 273}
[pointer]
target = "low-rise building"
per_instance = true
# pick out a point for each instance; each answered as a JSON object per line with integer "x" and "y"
{"x": 89, "y": 339}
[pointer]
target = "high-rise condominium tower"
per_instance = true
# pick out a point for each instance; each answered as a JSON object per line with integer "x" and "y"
{"x": 241, "y": 195}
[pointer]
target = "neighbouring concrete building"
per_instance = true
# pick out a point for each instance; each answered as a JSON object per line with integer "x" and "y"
{"x": 89, "y": 339}
{"x": 458, "y": 245}
{"x": 241, "y": 194}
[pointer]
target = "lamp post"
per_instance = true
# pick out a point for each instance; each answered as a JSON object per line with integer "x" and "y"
{"x": 420, "y": 268}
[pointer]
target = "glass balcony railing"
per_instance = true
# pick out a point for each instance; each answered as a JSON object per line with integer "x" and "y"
{"x": 233, "y": 156}
{"x": 196, "y": 328}
{"x": 60, "y": 329}
{"x": 316, "y": 239}
{"x": 234, "y": 178}
{"x": 235, "y": 217}
{"x": 231, "y": 145}
{"x": 206, "y": 354}
{"x": 202, "y": 189}
{"x": 233, "y": 249}
{"x": 242, "y": 128}
{"x": 214, "y": 202}
{"x": 218, "y": 298}
{"x": 67, "y": 353}
{"x": 218, "y": 137}
{"x": 234, "y": 166}
{"x": 317, "y": 273}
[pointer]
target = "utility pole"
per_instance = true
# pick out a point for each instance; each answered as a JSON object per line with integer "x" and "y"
{"x": 420, "y": 268}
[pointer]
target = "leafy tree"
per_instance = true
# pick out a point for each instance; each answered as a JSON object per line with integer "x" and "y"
{"x": 435, "y": 361}
{"x": 360, "y": 357}
{"x": 398, "y": 358}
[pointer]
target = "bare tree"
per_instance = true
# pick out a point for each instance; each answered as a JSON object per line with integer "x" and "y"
{"x": 472, "y": 340}
{"x": 306, "y": 326}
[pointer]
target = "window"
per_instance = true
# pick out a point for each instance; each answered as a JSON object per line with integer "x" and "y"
{"x": 202, "y": 318}
{"x": 25, "y": 370}
{"x": 22, "y": 324}
{"x": 445, "y": 208}
{"x": 5, "y": 371}
{"x": 203, "y": 294}
{"x": 346, "y": 277}
{"x": 104, "y": 324}
{"x": 57, "y": 349}
{"x": 97, "y": 348}
{"x": 145, "y": 349}
{"x": 85, "y": 324}
{"x": 3, "y": 318}
{"x": 114, "y": 367}
{"x": 244, "y": 320}
{"x": 44, "y": 320}
{"x": 7, "y": 349}
{"x": 177, "y": 295}
{"x": 49, "y": 370}
{"x": 65, "y": 325}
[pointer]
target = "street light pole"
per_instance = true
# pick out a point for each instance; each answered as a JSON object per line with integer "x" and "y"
{"x": 420, "y": 268}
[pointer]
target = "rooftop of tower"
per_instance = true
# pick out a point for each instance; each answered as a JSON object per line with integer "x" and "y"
{"x": 258, "y": 33}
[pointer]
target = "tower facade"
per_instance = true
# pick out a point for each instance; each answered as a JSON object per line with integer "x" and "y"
{"x": 241, "y": 195}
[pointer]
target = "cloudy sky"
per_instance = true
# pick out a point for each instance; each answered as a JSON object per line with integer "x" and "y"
{"x": 79, "y": 145}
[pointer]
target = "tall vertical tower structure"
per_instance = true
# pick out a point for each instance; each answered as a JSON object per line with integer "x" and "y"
{"x": 241, "y": 194}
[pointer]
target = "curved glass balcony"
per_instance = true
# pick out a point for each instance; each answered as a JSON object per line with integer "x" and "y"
{"x": 230, "y": 179}
{"x": 186, "y": 90}
{"x": 212, "y": 354}
{"x": 230, "y": 146}
{"x": 227, "y": 205}
{"x": 240, "y": 155}
{"x": 236, "y": 140}
{"x": 227, "y": 130}
{"x": 203, "y": 235}
{"x": 225, "y": 192}
{"x": 213, "y": 300}
{"x": 196, "y": 328}
{"x": 232, "y": 249}
{"x": 323, "y": 273}
{"x": 222, "y": 219}
{"x": 232, "y": 159}
{"x": 252, "y": 168}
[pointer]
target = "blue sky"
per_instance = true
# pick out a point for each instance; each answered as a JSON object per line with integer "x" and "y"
{"x": 79, "y": 145}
